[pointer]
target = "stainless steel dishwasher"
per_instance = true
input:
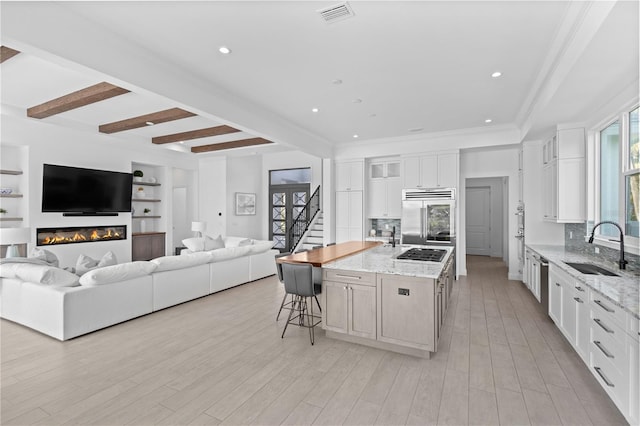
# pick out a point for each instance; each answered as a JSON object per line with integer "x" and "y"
{"x": 544, "y": 283}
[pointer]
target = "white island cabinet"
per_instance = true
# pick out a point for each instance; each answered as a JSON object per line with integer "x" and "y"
{"x": 374, "y": 300}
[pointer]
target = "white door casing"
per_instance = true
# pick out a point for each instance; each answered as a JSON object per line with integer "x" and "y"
{"x": 478, "y": 221}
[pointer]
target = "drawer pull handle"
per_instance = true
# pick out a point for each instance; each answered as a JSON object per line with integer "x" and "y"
{"x": 355, "y": 277}
{"x": 577, "y": 299}
{"x": 601, "y": 374}
{"x": 606, "y": 308}
{"x": 579, "y": 288}
{"x": 605, "y": 328}
{"x": 558, "y": 284}
{"x": 604, "y": 351}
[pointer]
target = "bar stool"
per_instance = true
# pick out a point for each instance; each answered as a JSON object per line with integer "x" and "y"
{"x": 279, "y": 270}
{"x": 298, "y": 281}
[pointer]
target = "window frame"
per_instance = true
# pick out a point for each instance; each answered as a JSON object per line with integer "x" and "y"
{"x": 622, "y": 116}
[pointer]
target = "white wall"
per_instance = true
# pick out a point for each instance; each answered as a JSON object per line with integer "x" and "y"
{"x": 487, "y": 163}
{"x": 497, "y": 211}
{"x": 244, "y": 174}
{"x": 47, "y": 142}
{"x": 212, "y": 190}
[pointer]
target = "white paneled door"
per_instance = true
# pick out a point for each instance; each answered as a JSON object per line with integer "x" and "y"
{"x": 478, "y": 218}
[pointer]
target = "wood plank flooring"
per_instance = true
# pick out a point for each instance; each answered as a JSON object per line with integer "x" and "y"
{"x": 220, "y": 360}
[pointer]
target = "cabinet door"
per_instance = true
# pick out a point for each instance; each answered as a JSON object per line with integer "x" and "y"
{"x": 554, "y": 190}
{"x": 583, "y": 325}
{"x": 377, "y": 198}
{"x": 447, "y": 170}
{"x": 343, "y": 177}
{"x": 394, "y": 197}
{"x": 141, "y": 248}
{"x": 571, "y": 189}
{"x": 362, "y": 311}
{"x": 355, "y": 210}
{"x": 569, "y": 313}
{"x": 356, "y": 176}
{"x": 429, "y": 171}
{"x": 377, "y": 170}
{"x": 555, "y": 298}
{"x": 334, "y": 314}
{"x": 342, "y": 209}
{"x": 411, "y": 178}
{"x": 546, "y": 192}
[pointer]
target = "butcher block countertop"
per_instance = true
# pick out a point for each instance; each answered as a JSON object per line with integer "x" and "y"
{"x": 320, "y": 256}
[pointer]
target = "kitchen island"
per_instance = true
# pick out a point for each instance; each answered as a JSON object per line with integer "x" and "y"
{"x": 374, "y": 299}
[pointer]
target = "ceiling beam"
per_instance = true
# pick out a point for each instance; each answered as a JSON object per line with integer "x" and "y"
{"x": 229, "y": 145}
{"x": 7, "y": 53}
{"x": 96, "y": 93}
{"x": 145, "y": 120}
{"x": 195, "y": 134}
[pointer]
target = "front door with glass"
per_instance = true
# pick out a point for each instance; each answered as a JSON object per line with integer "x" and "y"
{"x": 286, "y": 203}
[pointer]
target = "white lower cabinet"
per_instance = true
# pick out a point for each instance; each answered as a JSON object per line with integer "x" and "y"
{"x": 603, "y": 334}
{"x": 350, "y": 303}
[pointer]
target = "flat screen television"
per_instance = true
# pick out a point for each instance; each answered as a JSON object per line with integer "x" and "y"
{"x": 74, "y": 190}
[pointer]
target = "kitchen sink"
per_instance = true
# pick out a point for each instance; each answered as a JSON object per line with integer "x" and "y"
{"x": 590, "y": 269}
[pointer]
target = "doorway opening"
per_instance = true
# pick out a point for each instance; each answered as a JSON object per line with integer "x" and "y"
{"x": 486, "y": 220}
{"x": 289, "y": 191}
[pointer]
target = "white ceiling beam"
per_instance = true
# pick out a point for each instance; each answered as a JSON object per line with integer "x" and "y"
{"x": 580, "y": 24}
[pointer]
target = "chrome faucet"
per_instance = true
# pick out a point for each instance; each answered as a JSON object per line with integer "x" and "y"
{"x": 621, "y": 263}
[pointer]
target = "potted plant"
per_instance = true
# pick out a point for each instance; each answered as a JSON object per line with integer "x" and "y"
{"x": 147, "y": 211}
{"x": 137, "y": 175}
{"x": 2, "y": 211}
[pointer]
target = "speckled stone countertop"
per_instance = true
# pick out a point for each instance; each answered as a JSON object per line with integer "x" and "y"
{"x": 382, "y": 260}
{"x": 624, "y": 290}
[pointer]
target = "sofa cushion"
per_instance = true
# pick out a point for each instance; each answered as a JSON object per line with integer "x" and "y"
{"x": 205, "y": 243}
{"x": 167, "y": 263}
{"x": 229, "y": 253}
{"x": 9, "y": 265}
{"x": 45, "y": 256}
{"x": 260, "y": 246}
{"x": 84, "y": 263}
{"x": 45, "y": 274}
{"x": 116, "y": 273}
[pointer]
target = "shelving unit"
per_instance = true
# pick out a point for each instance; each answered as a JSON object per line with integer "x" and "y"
{"x": 11, "y": 172}
{"x": 11, "y": 195}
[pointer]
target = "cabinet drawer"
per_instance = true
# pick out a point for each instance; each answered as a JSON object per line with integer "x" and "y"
{"x": 609, "y": 341}
{"x": 609, "y": 377}
{"x": 351, "y": 277}
{"x": 606, "y": 310}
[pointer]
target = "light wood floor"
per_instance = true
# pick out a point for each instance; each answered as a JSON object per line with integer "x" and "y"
{"x": 220, "y": 360}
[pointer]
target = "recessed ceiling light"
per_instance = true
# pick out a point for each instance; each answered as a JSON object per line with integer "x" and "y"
{"x": 355, "y": 136}
{"x": 416, "y": 129}
{"x": 149, "y": 123}
{"x": 357, "y": 101}
{"x": 337, "y": 81}
{"x": 224, "y": 50}
{"x": 496, "y": 74}
{"x": 372, "y": 115}
{"x": 488, "y": 120}
{"x": 314, "y": 110}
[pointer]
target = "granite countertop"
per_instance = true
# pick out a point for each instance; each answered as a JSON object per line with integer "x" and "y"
{"x": 624, "y": 291}
{"x": 382, "y": 260}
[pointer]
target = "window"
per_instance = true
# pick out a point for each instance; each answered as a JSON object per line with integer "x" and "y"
{"x": 619, "y": 177}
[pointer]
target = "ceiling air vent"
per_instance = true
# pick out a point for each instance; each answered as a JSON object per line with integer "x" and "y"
{"x": 337, "y": 12}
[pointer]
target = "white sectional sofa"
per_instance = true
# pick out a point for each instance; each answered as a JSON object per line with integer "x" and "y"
{"x": 113, "y": 294}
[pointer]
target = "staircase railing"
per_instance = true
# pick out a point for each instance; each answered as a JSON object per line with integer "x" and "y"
{"x": 303, "y": 220}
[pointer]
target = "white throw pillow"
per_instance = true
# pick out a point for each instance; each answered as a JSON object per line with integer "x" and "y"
{"x": 117, "y": 273}
{"x": 49, "y": 275}
{"x": 45, "y": 255}
{"x": 84, "y": 263}
{"x": 167, "y": 263}
{"x": 194, "y": 244}
{"x": 213, "y": 243}
{"x": 261, "y": 246}
{"x": 8, "y": 270}
{"x": 245, "y": 242}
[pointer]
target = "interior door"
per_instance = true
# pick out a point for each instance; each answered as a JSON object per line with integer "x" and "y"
{"x": 286, "y": 203}
{"x": 478, "y": 218}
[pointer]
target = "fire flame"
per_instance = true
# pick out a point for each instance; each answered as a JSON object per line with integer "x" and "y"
{"x": 79, "y": 237}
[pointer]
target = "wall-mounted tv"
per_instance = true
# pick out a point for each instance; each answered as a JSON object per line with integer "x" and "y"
{"x": 74, "y": 190}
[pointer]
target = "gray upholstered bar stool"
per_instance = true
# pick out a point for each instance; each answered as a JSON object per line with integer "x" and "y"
{"x": 298, "y": 281}
{"x": 284, "y": 299}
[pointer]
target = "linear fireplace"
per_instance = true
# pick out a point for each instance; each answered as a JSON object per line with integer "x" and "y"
{"x": 80, "y": 234}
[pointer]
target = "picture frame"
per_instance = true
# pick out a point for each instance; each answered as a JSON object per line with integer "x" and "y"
{"x": 245, "y": 203}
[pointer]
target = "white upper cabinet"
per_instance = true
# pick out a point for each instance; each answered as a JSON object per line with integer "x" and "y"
{"x": 431, "y": 171}
{"x": 350, "y": 176}
{"x": 384, "y": 190}
{"x": 564, "y": 177}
